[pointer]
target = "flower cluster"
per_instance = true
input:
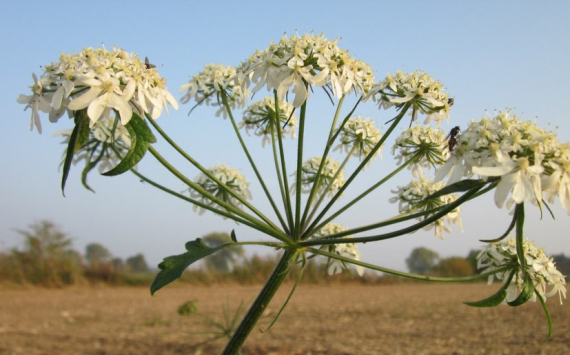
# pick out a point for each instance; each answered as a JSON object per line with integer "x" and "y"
{"x": 210, "y": 83}
{"x": 424, "y": 144}
{"x": 347, "y": 250}
{"x": 528, "y": 160}
{"x": 421, "y": 90}
{"x": 260, "y": 118}
{"x": 231, "y": 178}
{"x": 412, "y": 199}
{"x": 329, "y": 181}
{"x": 101, "y": 82}
{"x": 299, "y": 61}
{"x": 359, "y": 136}
{"x": 539, "y": 267}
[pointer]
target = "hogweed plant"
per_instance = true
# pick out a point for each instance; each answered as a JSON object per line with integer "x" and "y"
{"x": 114, "y": 99}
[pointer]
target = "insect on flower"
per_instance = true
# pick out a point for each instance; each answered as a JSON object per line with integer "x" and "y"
{"x": 147, "y": 64}
{"x": 450, "y": 101}
{"x": 452, "y": 137}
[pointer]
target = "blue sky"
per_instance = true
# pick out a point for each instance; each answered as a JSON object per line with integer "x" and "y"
{"x": 489, "y": 55}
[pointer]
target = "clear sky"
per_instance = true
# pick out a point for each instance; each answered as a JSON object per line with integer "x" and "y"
{"x": 489, "y": 55}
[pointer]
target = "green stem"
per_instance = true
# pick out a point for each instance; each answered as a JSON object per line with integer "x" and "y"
{"x": 361, "y": 196}
{"x": 337, "y": 238}
{"x": 261, "y": 302}
{"x": 300, "y": 140}
{"x": 251, "y": 162}
{"x": 362, "y": 165}
{"x": 287, "y": 200}
{"x": 284, "y": 191}
{"x": 405, "y": 274}
{"x": 328, "y": 146}
{"x": 271, "y": 231}
{"x": 194, "y": 202}
{"x": 208, "y": 174}
{"x": 327, "y": 188}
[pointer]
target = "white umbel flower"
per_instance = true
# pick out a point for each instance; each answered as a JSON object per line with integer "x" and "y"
{"x": 102, "y": 82}
{"x": 547, "y": 280}
{"x": 298, "y": 61}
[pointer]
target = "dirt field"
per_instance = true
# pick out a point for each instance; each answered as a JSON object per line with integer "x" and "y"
{"x": 391, "y": 319}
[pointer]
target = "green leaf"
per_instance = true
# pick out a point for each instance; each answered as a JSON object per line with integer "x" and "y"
{"x": 548, "y": 318}
{"x": 141, "y": 136}
{"x": 172, "y": 267}
{"x": 89, "y": 166}
{"x": 492, "y": 301}
{"x": 526, "y": 293}
{"x": 463, "y": 185}
{"x": 495, "y": 299}
{"x": 79, "y": 136}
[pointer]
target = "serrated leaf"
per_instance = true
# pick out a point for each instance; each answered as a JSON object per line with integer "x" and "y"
{"x": 141, "y": 136}
{"x": 526, "y": 293}
{"x": 233, "y": 236}
{"x": 79, "y": 135}
{"x": 460, "y": 186}
{"x": 172, "y": 267}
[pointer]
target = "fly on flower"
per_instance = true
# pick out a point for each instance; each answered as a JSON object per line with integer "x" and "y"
{"x": 147, "y": 64}
{"x": 452, "y": 137}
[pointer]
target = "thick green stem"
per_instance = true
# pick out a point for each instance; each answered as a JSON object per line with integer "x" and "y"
{"x": 261, "y": 302}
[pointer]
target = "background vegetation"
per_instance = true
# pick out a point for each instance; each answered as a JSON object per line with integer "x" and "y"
{"x": 47, "y": 258}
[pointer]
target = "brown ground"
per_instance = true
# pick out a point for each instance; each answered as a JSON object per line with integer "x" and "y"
{"x": 349, "y": 319}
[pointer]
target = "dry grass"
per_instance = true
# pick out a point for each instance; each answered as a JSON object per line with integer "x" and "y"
{"x": 332, "y": 319}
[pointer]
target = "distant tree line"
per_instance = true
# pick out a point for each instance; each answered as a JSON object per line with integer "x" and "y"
{"x": 47, "y": 258}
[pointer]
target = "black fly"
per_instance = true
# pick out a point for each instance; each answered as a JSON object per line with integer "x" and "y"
{"x": 147, "y": 64}
{"x": 452, "y": 137}
{"x": 450, "y": 101}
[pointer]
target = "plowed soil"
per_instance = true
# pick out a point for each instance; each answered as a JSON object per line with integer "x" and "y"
{"x": 341, "y": 319}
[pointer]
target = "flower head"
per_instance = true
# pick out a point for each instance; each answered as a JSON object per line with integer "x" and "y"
{"x": 260, "y": 118}
{"x": 547, "y": 280}
{"x": 229, "y": 177}
{"x": 207, "y": 86}
{"x": 425, "y": 144}
{"x": 412, "y": 198}
{"x": 101, "y": 82}
{"x": 359, "y": 136}
{"x": 299, "y": 61}
{"x": 330, "y": 179}
{"x": 528, "y": 160}
{"x": 348, "y": 250}
{"x": 418, "y": 88}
